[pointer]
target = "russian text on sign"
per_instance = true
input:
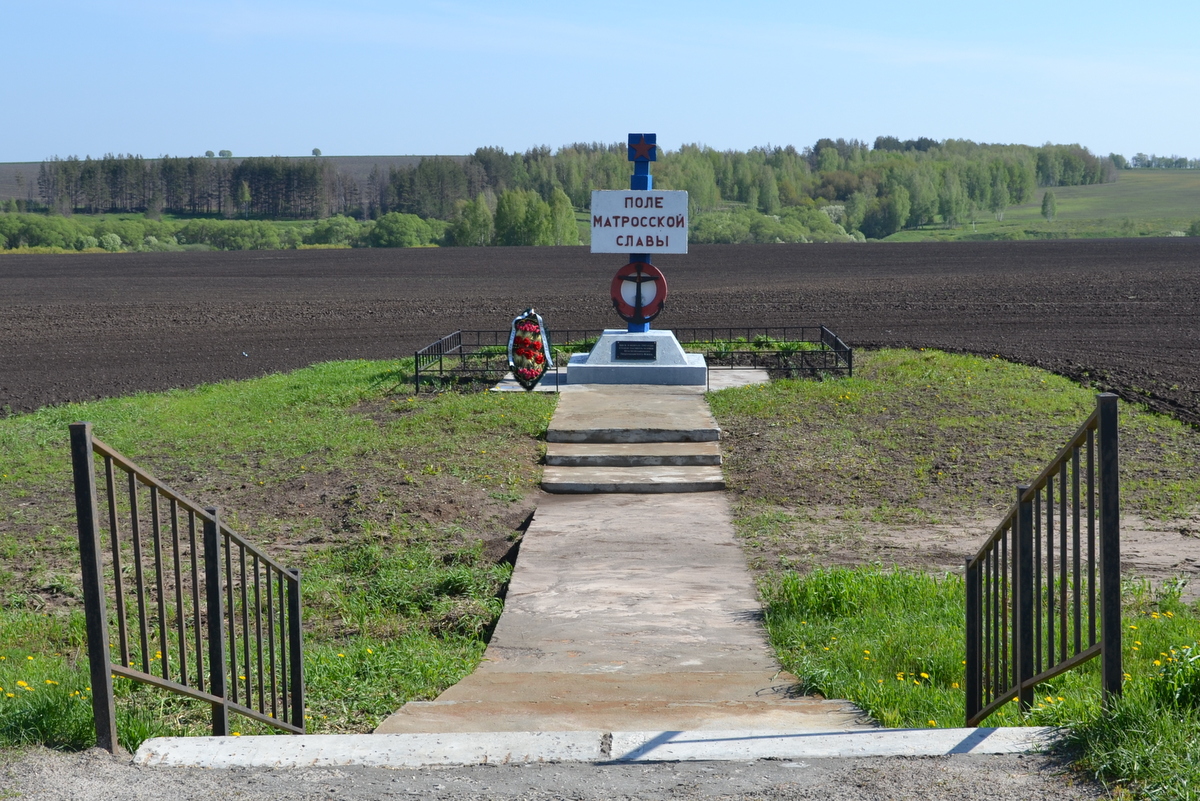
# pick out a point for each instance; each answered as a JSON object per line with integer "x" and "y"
{"x": 620, "y": 220}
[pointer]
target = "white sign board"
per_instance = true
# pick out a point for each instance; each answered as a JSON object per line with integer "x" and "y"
{"x": 639, "y": 221}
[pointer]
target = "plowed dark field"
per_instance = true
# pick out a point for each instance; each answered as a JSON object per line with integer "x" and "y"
{"x": 1122, "y": 312}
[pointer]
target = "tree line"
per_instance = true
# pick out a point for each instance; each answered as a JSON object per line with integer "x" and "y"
{"x": 1153, "y": 162}
{"x": 272, "y": 188}
{"x": 874, "y": 190}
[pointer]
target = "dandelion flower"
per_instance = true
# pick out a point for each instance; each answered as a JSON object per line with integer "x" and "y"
{"x": 924, "y": 675}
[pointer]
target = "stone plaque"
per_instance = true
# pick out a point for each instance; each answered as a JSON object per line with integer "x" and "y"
{"x": 636, "y": 351}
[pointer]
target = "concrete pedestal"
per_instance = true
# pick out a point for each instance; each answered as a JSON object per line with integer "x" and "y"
{"x": 651, "y": 357}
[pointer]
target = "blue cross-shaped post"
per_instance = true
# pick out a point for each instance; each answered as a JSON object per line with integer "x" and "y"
{"x": 643, "y": 149}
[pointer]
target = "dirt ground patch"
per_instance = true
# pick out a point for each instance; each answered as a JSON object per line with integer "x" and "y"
{"x": 44, "y": 774}
{"x": 1153, "y": 550}
{"x": 1124, "y": 312}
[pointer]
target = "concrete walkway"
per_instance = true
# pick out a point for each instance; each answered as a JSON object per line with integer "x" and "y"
{"x": 630, "y": 611}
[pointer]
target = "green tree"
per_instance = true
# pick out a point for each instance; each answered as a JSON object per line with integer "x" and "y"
{"x": 110, "y": 242}
{"x": 539, "y": 225}
{"x": 768, "y": 191}
{"x": 226, "y": 154}
{"x": 923, "y": 197}
{"x": 998, "y": 202}
{"x": 886, "y": 215}
{"x": 900, "y": 209}
{"x": 244, "y": 198}
{"x": 523, "y": 218}
{"x": 510, "y": 217}
{"x": 1049, "y": 205}
{"x": 828, "y": 159}
{"x": 208, "y": 154}
{"x": 474, "y": 227}
{"x": 1194, "y": 229}
{"x": 317, "y": 151}
{"x": 564, "y": 231}
{"x": 952, "y": 199}
{"x": 396, "y": 230}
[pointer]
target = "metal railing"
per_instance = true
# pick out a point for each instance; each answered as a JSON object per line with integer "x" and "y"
{"x": 466, "y": 356}
{"x": 801, "y": 350}
{"x": 1044, "y": 591}
{"x": 192, "y": 601}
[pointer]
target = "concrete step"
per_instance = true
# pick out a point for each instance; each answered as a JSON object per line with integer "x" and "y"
{"x": 664, "y": 478}
{"x": 676, "y": 686}
{"x": 642, "y": 454}
{"x": 800, "y": 714}
{"x": 632, "y": 413}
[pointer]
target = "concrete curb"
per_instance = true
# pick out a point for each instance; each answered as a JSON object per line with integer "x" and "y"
{"x": 748, "y": 745}
{"x": 370, "y": 750}
{"x": 418, "y": 750}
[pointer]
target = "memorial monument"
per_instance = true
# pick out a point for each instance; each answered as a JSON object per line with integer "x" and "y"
{"x": 641, "y": 221}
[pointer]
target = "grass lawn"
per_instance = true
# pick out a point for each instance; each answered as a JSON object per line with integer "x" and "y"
{"x": 399, "y": 509}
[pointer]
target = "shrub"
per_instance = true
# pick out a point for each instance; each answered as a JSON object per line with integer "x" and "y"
{"x": 336, "y": 230}
{"x": 110, "y": 242}
{"x": 1194, "y": 229}
{"x": 396, "y": 230}
{"x": 230, "y": 234}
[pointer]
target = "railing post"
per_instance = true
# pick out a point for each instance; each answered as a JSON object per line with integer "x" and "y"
{"x": 1110, "y": 548}
{"x": 87, "y": 513}
{"x": 417, "y": 373}
{"x": 973, "y": 682}
{"x": 296, "y": 647}
{"x": 216, "y": 620}
{"x": 1023, "y": 607}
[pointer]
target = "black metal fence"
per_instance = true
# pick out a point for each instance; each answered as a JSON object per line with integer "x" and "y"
{"x": 1044, "y": 592}
{"x": 197, "y": 610}
{"x": 482, "y": 356}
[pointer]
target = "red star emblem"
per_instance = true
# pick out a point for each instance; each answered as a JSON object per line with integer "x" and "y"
{"x": 642, "y": 150}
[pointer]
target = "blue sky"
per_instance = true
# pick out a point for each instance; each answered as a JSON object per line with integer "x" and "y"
{"x": 260, "y": 77}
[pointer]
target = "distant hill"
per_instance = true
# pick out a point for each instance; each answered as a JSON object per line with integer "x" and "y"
{"x": 356, "y": 167}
